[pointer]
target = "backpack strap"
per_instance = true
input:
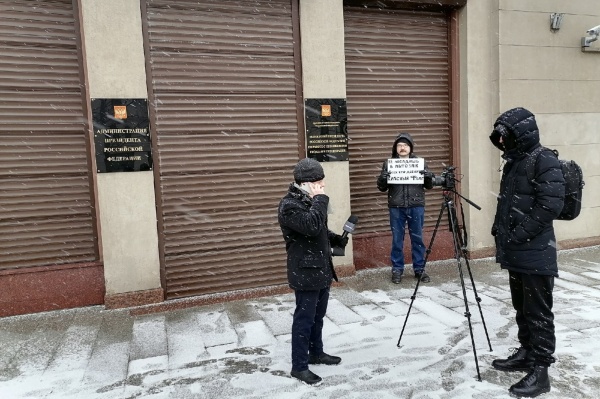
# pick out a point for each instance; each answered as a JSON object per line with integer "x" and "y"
{"x": 532, "y": 160}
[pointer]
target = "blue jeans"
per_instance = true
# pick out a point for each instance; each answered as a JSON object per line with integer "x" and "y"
{"x": 307, "y": 326}
{"x": 414, "y": 218}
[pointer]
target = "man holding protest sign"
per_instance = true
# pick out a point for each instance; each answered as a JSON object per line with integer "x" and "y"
{"x": 400, "y": 177}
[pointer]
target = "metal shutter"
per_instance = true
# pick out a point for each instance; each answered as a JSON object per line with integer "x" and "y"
{"x": 397, "y": 80}
{"x": 45, "y": 208}
{"x": 224, "y": 100}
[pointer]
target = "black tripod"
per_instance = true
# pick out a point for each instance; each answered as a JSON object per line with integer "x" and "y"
{"x": 459, "y": 253}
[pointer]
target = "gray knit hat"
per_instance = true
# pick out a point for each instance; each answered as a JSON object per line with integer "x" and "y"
{"x": 308, "y": 170}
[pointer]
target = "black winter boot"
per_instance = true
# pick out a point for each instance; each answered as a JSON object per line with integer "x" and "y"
{"x": 307, "y": 377}
{"x": 324, "y": 358}
{"x": 535, "y": 383}
{"x": 520, "y": 360}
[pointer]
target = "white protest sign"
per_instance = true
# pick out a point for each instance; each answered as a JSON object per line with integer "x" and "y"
{"x": 406, "y": 170}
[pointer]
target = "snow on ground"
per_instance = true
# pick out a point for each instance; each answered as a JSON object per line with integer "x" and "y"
{"x": 206, "y": 352}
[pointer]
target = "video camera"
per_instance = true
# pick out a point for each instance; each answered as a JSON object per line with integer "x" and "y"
{"x": 446, "y": 179}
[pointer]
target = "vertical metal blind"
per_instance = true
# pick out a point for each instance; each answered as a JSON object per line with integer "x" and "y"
{"x": 397, "y": 81}
{"x": 223, "y": 82}
{"x": 45, "y": 208}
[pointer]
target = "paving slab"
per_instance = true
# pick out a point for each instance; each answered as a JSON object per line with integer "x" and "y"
{"x": 241, "y": 349}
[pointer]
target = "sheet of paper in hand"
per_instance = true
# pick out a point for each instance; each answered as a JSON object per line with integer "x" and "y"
{"x": 406, "y": 170}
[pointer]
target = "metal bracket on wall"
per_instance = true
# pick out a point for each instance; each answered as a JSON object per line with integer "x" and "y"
{"x": 586, "y": 41}
{"x": 590, "y": 49}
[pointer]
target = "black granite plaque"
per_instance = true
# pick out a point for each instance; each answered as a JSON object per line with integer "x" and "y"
{"x": 326, "y": 129}
{"x": 121, "y": 135}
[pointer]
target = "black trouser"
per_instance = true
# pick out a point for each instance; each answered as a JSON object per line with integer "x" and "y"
{"x": 532, "y": 299}
{"x": 307, "y": 327}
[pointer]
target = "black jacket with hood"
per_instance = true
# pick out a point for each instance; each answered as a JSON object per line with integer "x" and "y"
{"x": 523, "y": 229}
{"x": 403, "y": 195}
{"x": 303, "y": 222}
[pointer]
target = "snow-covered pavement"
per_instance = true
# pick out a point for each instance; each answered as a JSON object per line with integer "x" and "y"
{"x": 241, "y": 349}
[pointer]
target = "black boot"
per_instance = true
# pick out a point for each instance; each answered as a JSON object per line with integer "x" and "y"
{"x": 307, "y": 377}
{"x": 520, "y": 360}
{"x": 424, "y": 277}
{"x": 396, "y": 277}
{"x": 324, "y": 358}
{"x": 535, "y": 383}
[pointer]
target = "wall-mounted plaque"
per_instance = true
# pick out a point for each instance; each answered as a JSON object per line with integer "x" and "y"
{"x": 121, "y": 135}
{"x": 326, "y": 129}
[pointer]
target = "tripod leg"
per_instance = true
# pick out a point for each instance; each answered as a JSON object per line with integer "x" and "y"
{"x": 458, "y": 252}
{"x": 427, "y": 252}
{"x": 463, "y": 246}
{"x": 478, "y": 300}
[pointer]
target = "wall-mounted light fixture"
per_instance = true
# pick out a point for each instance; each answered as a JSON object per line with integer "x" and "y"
{"x": 587, "y": 40}
{"x": 555, "y": 21}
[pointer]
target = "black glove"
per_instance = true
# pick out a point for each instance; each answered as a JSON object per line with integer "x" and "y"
{"x": 343, "y": 241}
{"x": 427, "y": 179}
{"x": 383, "y": 178}
{"x": 494, "y": 231}
{"x": 339, "y": 241}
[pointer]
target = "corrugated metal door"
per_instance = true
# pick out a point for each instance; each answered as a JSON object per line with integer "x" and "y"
{"x": 397, "y": 66}
{"x": 45, "y": 208}
{"x": 225, "y": 110}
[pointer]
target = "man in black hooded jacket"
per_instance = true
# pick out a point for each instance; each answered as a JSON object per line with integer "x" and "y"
{"x": 531, "y": 197}
{"x": 303, "y": 222}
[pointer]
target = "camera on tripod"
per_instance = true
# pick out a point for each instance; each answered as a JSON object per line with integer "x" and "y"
{"x": 446, "y": 179}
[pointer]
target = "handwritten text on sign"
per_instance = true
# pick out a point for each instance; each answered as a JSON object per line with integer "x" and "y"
{"x": 405, "y": 170}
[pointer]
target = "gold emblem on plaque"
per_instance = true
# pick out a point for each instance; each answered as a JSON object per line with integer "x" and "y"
{"x": 120, "y": 112}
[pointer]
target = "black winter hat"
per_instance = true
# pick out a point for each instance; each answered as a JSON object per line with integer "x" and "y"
{"x": 308, "y": 170}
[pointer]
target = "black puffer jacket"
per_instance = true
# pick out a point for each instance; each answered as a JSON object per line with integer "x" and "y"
{"x": 525, "y": 240}
{"x": 303, "y": 222}
{"x": 403, "y": 195}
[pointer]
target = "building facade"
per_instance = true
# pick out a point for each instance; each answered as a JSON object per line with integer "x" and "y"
{"x": 225, "y": 84}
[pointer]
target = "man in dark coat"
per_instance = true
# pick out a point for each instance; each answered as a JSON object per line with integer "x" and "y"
{"x": 406, "y": 204}
{"x": 303, "y": 222}
{"x": 531, "y": 197}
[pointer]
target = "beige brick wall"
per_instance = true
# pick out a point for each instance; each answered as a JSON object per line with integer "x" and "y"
{"x": 548, "y": 73}
{"x": 127, "y": 214}
{"x": 510, "y": 57}
{"x": 324, "y": 76}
